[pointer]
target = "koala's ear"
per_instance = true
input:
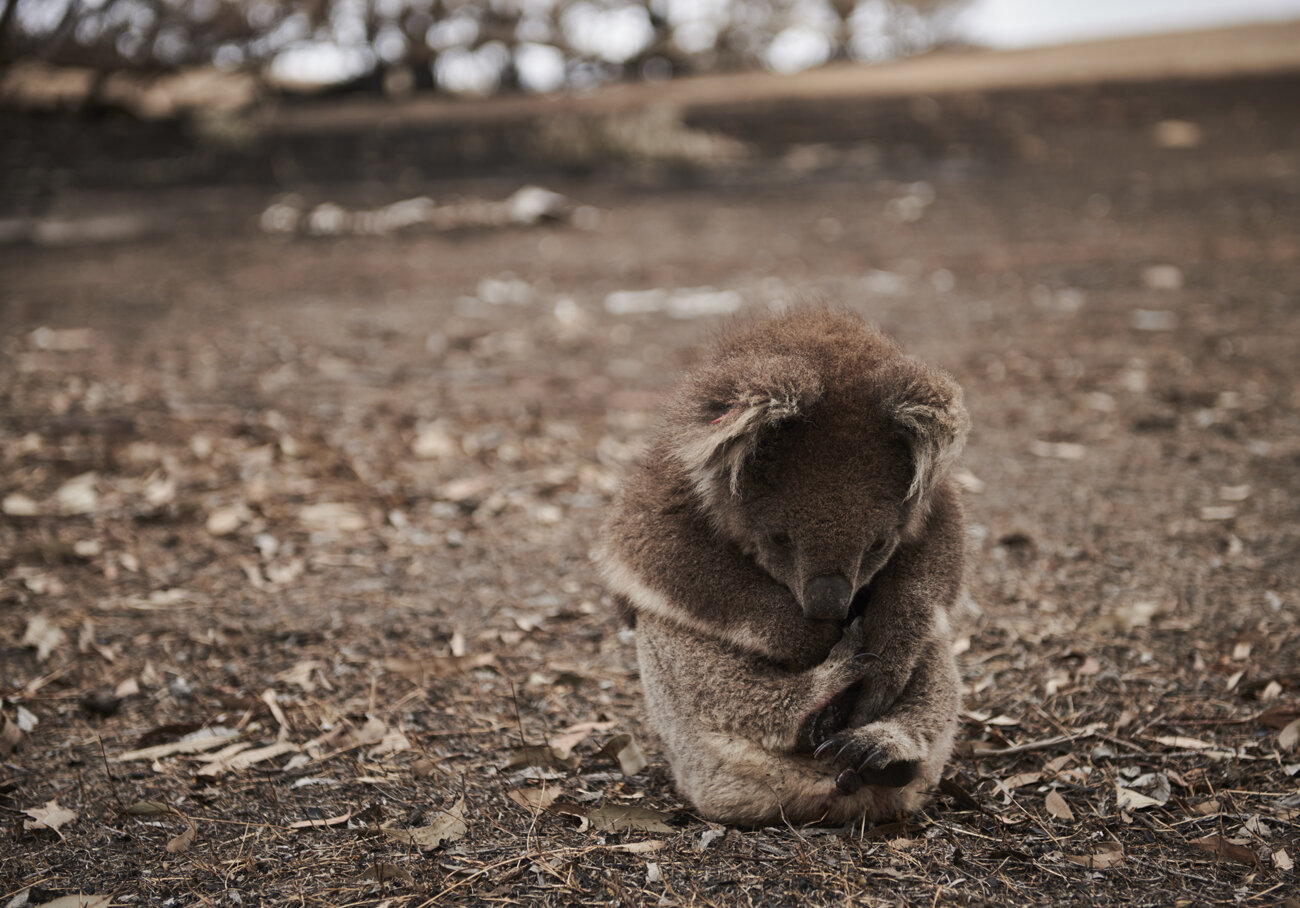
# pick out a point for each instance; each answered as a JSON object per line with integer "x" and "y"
{"x": 729, "y": 407}
{"x": 930, "y": 411}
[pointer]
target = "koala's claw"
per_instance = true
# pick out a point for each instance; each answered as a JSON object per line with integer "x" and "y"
{"x": 848, "y": 782}
{"x": 869, "y": 766}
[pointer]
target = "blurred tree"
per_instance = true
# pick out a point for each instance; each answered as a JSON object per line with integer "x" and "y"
{"x": 464, "y": 46}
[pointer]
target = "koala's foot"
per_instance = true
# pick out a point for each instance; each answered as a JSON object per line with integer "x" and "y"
{"x": 879, "y": 754}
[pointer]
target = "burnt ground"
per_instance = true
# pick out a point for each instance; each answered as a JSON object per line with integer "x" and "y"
{"x": 323, "y": 505}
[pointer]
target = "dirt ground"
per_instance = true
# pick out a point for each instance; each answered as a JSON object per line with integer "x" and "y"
{"x": 295, "y": 528}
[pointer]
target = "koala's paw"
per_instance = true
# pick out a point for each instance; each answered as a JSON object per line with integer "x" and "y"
{"x": 837, "y": 685}
{"x": 828, "y": 718}
{"x": 878, "y": 754}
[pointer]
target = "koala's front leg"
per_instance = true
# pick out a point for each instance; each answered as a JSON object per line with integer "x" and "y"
{"x": 910, "y": 601}
{"x": 914, "y": 736}
{"x": 663, "y": 559}
{"x": 710, "y": 686}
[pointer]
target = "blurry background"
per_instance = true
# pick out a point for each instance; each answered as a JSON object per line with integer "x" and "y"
{"x": 477, "y": 48}
{"x": 327, "y": 330}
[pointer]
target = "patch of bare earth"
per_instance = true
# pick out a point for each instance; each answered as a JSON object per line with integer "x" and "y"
{"x": 296, "y": 606}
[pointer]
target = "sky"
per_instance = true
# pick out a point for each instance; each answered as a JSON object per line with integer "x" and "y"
{"x": 1025, "y": 23}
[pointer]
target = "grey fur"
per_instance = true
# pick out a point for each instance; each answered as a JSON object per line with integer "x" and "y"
{"x": 802, "y": 466}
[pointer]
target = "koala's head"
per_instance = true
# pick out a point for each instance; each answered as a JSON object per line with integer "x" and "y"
{"x": 814, "y": 444}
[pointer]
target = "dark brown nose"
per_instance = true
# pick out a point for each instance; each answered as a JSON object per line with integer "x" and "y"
{"x": 827, "y": 598}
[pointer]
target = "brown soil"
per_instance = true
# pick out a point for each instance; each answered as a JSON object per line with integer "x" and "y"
{"x": 1123, "y": 316}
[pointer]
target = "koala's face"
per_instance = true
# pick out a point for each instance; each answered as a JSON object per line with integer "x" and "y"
{"x": 821, "y": 508}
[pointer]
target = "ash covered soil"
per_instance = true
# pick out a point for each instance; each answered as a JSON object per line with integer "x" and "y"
{"x": 296, "y": 600}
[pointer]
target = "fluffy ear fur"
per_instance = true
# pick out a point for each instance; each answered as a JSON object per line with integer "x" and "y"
{"x": 729, "y": 407}
{"x": 930, "y": 411}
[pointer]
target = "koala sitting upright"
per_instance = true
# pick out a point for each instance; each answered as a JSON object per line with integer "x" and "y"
{"x": 790, "y": 550}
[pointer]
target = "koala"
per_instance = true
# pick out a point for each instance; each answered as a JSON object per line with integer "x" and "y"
{"x": 790, "y": 551}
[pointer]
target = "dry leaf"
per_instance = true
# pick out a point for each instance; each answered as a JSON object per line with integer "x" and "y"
{"x": 10, "y": 736}
{"x": 571, "y": 737}
{"x": 1057, "y": 807}
{"x": 542, "y": 756}
{"x": 16, "y": 504}
{"x": 533, "y": 798}
{"x": 78, "y": 495}
{"x": 1108, "y": 857}
{"x": 247, "y": 758}
{"x": 1127, "y": 799}
{"x": 419, "y": 670}
{"x": 1226, "y": 850}
{"x": 646, "y": 847}
{"x": 449, "y": 827}
{"x": 1179, "y": 742}
{"x": 51, "y": 816}
{"x": 1288, "y": 737}
{"x": 1282, "y": 860}
{"x": 42, "y": 636}
{"x": 321, "y": 823}
{"x": 147, "y": 809}
{"x": 182, "y": 842}
{"x": 1021, "y": 779}
{"x": 332, "y": 516}
{"x": 621, "y": 818}
{"x": 387, "y": 873}
{"x": 625, "y": 750}
{"x": 79, "y": 901}
{"x": 1061, "y": 450}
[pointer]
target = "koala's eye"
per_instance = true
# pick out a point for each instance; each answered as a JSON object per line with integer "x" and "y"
{"x": 781, "y": 540}
{"x": 877, "y": 547}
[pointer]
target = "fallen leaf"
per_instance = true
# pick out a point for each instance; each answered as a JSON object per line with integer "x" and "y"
{"x": 247, "y": 758}
{"x": 1178, "y": 742}
{"x": 542, "y": 756}
{"x": 1061, "y": 450}
{"x": 10, "y": 736}
{"x": 332, "y": 516}
{"x": 1226, "y": 850}
{"x": 224, "y": 521}
{"x": 627, "y": 752}
{"x": 438, "y": 667}
{"x": 1057, "y": 807}
{"x": 623, "y": 818}
{"x": 147, "y": 809}
{"x": 42, "y": 636}
{"x": 16, "y": 504}
{"x": 1021, "y": 779}
{"x": 646, "y": 847}
{"x": 79, "y": 901}
{"x": 78, "y": 495}
{"x": 1282, "y": 860}
{"x": 1288, "y": 737}
{"x": 449, "y": 827}
{"x": 323, "y": 822}
{"x": 182, "y": 842}
{"x": 571, "y": 737}
{"x": 1127, "y": 799}
{"x": 533, "y": 798}
{"x": 1108, "y": 857}
{"x": 387, "y": 873}
{"x": 51, "y": 816}
{"x": 187, "y": 745}
{"x": 1207, "y": 808}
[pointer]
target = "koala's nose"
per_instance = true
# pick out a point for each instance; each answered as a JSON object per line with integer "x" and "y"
{"x": 827, "y": 598}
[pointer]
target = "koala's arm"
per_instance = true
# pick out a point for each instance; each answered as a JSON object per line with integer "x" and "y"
{"x": 911, "y": 600}
{"x": 662, "y": 558}
{"x": 710, "y": 687}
